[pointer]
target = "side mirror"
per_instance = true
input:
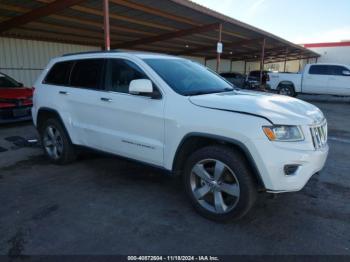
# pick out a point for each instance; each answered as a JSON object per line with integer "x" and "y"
{"x": 346, "y": 73}
{"x": 21, "y": 84}
{"x": 140, "y": 86}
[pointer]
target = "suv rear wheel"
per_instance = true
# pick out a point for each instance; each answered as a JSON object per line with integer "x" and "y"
{"x": 219, "y": 183}
{"x": 56, "y": 142}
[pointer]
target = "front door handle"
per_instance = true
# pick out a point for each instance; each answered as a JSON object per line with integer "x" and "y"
{"x": 106, "y": 99}
{"x": 63, "y": 93}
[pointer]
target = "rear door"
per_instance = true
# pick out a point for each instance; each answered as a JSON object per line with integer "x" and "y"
{"x": 131, "y": 125}
{"x": 83, "y": 101}
{"x": 339, "y": 82}
{"x": 315, "y": 81}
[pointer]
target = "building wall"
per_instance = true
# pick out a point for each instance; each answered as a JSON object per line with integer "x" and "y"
{"x": 336, "y": 54}
{"x": 24, "y": 59}
{"x": 238, "y": 66}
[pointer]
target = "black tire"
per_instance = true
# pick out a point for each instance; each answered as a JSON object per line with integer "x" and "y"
{"x": 287, "y": 90}
{"x": 68, "y": 153}
{"x": 237, "y": 163}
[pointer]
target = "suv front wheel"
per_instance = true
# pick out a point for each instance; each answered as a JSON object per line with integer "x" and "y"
{"x": 56, "y": 143}
{"x": 219, "y": 183}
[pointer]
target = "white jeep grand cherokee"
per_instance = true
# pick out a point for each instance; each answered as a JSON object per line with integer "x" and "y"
{"x": 175, "y": 114}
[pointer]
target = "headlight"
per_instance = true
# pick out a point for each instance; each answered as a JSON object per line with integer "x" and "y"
{"x": 283, "y": 133}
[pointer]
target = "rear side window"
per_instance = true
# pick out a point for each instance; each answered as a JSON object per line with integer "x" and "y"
{"x": 319, "y": 70}
{"x": 87, "y": 73}
{"x": 255, "y": 73}
{"x": 59, "y": 74}
{"x": 337, "y": 70}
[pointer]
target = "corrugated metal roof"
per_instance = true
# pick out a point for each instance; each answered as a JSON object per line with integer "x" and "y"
{"x": 133, "y": 20}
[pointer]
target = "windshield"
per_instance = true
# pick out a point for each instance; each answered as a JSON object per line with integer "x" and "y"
{"x": 8, "y": 82}
{"x": 188, "y": 78}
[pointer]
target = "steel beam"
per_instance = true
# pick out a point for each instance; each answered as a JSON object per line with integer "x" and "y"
{"x": 285, "y": 60}
{"x": 212, "y": 47}
{"x": 106, "y": 25}
{"x": 37, "y": 13}
{"x": 262, "y": 59}
{"x": 166, "y": 36}
{"x": 218, "y": 54}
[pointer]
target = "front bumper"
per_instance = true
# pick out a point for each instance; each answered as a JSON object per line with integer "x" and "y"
{"x": 15, "y": 114}
{"x": 273, "y": 158}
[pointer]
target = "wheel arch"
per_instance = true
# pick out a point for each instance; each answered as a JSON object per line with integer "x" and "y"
{"x": 287, "y": 83}
{"x": 45, "y": 113}
{"x": 194, "y": 141}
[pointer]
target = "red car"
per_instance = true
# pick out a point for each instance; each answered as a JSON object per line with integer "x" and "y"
{"x": 15, "y": 100}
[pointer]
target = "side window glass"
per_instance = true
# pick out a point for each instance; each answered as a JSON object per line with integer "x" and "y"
{"x": 122, "y": 72}
{"x": 338, "y": 70}
{"x": 87, "y": 73}
{"x": 59, "y": 74}
{"x": 319, "y": 70}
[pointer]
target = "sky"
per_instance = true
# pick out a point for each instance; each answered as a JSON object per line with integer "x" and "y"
{"x": 299, "y": 21}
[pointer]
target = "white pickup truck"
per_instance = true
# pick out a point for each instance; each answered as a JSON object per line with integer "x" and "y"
{"x": 331, "y": 79}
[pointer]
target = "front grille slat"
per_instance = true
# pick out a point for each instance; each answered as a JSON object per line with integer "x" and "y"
{"x": 319, "y": 135}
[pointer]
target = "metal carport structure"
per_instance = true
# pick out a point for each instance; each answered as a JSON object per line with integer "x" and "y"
{"x": 178, "y": 27}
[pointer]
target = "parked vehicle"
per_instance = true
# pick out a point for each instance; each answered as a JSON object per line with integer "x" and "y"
{"x": 15, "y": 100}
{"x": 235, "y": 78}
{"x": 253, "y": 79}
{"x": 330, "y": 79}
{"x": 175, "y": 114}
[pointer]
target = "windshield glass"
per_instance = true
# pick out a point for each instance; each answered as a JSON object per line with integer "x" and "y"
{"x": 188, "y": 78}
{"x": 8, "y": 82}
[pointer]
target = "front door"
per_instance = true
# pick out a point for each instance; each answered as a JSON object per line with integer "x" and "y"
{"x": 339, "y": 81}
{"x": 131, "y": 125}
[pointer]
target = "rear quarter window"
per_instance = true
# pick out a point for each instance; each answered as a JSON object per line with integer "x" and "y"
{"x": 59, "y": 74}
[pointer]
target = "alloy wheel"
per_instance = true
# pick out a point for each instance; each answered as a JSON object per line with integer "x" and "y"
{"x": 285, "y": 91}
{"x": 215, "y": 186}
{"x": 53, "y": 142}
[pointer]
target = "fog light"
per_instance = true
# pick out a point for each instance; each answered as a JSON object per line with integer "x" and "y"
{"x": 290, "y": 169}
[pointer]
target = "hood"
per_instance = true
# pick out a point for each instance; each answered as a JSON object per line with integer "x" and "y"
{"x": 278, "y": 109}
{"x": 16, "y": 93}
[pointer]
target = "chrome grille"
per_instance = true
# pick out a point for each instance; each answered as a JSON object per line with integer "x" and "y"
{"x": 319, "y": 135}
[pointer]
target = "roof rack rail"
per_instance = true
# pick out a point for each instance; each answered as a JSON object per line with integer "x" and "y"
{"x": 91, "y": 52}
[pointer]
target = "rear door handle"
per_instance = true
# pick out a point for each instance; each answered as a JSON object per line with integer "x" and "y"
{"x": 106, "y": 99}
{"x": 63, "y": 93}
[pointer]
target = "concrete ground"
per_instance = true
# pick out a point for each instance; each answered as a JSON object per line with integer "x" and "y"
{"x": 106, "y": 205}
